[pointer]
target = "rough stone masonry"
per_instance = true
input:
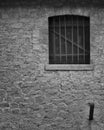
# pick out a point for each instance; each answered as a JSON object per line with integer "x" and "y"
{"x": 32, "y": 98}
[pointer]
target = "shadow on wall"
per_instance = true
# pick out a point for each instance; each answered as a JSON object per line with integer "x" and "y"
{"x": 51, "y": 3}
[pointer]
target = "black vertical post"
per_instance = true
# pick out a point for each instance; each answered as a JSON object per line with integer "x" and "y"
{"x": 91, "y": 112}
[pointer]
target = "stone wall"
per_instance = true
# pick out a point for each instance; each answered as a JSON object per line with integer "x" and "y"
{"x": 32, "y": 98}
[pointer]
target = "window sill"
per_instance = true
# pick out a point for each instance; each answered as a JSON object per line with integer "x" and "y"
{"x": 72, "y": 67}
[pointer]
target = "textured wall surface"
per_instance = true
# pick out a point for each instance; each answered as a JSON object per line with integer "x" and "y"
{"x": 52, "y": 3}
{"x": 32, "y": 98}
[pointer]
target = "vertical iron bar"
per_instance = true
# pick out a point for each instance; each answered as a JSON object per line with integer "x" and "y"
{"x": 72, "y": 39}
{"x": 65, "y": 38}
{"x": 89, "y": 38}
{"x": 54, "y": 40}
{"x": 60, "y": 37}
{"x": 84, "y": 39}
{"x": 78, "y": 40}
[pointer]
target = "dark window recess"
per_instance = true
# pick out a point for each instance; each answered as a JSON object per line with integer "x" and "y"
{"x": 69, "y": 39}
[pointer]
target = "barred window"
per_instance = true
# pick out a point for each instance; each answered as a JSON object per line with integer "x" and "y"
{"x": 69, "y": 39}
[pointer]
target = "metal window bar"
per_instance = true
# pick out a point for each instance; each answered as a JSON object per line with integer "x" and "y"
{"x": 72, "y": 38}
{"x": 89, "y": 37}
{"x": 60, "y": 37}
{"x": 84, "y": 38}
{"x": 78, "y": 40}
{"x": 68, "y": 54}
{"x": 86, "y": 51}
{"x": 54, "y": 41}
{"x": 87, "y": 45}
{"x": 69, "y": 40}
{"x": 49, "y": 39}
{"x": 65, "y": 39}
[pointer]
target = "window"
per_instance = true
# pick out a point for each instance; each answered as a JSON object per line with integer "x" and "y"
{"x": 69, "y": 40}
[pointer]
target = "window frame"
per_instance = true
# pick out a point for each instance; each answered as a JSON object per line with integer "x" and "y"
{"x": 75, "y": 67}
